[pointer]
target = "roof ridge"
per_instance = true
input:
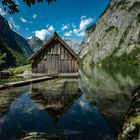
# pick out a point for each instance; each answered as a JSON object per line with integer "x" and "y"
{"x": 41, "y": 47}
{"x": 61, "y": 40}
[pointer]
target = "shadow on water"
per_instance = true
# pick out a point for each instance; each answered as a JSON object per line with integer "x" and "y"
{"x": 55, "y": 109}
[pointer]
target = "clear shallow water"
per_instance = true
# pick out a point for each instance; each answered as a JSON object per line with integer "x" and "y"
{"x": 65, "y": 111}
{"x": 7, "y": 79}
{"x": 90, "y": 108}
{"x": 82, "y": 121}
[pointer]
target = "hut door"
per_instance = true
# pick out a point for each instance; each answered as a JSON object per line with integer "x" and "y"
{"x": 53, "y": 65}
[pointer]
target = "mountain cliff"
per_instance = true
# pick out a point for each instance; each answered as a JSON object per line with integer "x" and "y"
{"x": 35, "y": 43}
{"x": 115, "y": 38}
{"x": 74, "y": 44}
{"x": 15, "y": 47}
{"x": 23, "y": 44}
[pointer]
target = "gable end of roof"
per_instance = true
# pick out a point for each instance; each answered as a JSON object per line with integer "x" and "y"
{"x": 55, "y": 35}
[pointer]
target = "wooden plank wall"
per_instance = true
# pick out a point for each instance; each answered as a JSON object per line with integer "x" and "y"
{"x": 55, "y": 59}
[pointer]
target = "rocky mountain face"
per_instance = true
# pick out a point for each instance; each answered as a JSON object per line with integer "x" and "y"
{"x": 23, "y": 44}
{"x": 6, "y": 35}
{"x": 13, "y": 45}
{"x": 74, "y": 44}
{"x": 35, "y": 43}
{"x": 115, "y": 38}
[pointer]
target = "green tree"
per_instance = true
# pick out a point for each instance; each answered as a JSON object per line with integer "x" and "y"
{"x": 11, "y": 6}
{"x": 2, "y": 56}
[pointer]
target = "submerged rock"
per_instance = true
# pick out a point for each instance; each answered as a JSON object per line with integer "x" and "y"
{"x": 131, "y": 126}
{"x": 7, "y": 97}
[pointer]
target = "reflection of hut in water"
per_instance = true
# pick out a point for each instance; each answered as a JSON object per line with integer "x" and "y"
{"x": 58, "y": 100}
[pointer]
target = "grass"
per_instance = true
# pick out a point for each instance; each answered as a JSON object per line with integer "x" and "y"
{"x": 20, "y": 59}
{"x": 135, "y": 120}
{"x": 19, "y": 70}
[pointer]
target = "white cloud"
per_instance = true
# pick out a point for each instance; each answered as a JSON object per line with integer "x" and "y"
{"x": 85, "y": 22}
{"x": 64, "y": 27}
{"x": 41, "y": 34}
{"x": 73, "y": 25}
{"x": 82, "y": 17}
{"x": 2, "y": 12}
{"x": 75, "y": 31}
{"x": 44, "y": 32}
{"x": 68, "y": 33}
{"x": 24, "y": 20}
{"x": 13, "y": 25}
{"x": 51, "y": 29}
{"x": 34, "y": 16}
{"x": 30, "y": 37}
{"x": 81, "y": 33}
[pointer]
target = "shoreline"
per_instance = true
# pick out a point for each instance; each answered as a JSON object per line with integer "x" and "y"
{"x": 25, "y": 82}
{"x": 34, "y": 80}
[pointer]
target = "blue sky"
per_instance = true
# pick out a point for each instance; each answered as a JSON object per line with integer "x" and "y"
{"x": 69, "y": 18}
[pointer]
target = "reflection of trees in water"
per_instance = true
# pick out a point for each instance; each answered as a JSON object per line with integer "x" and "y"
{"x": 58, "y": 100}
{"x": 124, "y": 71}
{"x": 109, "y": 89}
{"x": 110, "y": 78}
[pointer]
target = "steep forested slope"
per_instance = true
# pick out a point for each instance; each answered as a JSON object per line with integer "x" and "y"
{"x": 15, "y": 47}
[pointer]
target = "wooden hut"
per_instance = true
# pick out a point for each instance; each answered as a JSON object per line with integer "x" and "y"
{"x": 55, "y": 57}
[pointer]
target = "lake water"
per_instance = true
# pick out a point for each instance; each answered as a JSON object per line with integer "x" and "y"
{"x": 89, "y": 108}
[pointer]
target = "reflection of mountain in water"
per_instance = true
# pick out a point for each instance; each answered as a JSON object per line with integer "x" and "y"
{"x": 57, "y": 100}
{"x": 109, "y": 89}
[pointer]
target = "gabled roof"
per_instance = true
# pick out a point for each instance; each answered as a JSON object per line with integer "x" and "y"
{"x": 55, "y": 36}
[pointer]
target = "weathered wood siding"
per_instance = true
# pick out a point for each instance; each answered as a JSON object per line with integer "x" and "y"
{"x": 55, "y": 59}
